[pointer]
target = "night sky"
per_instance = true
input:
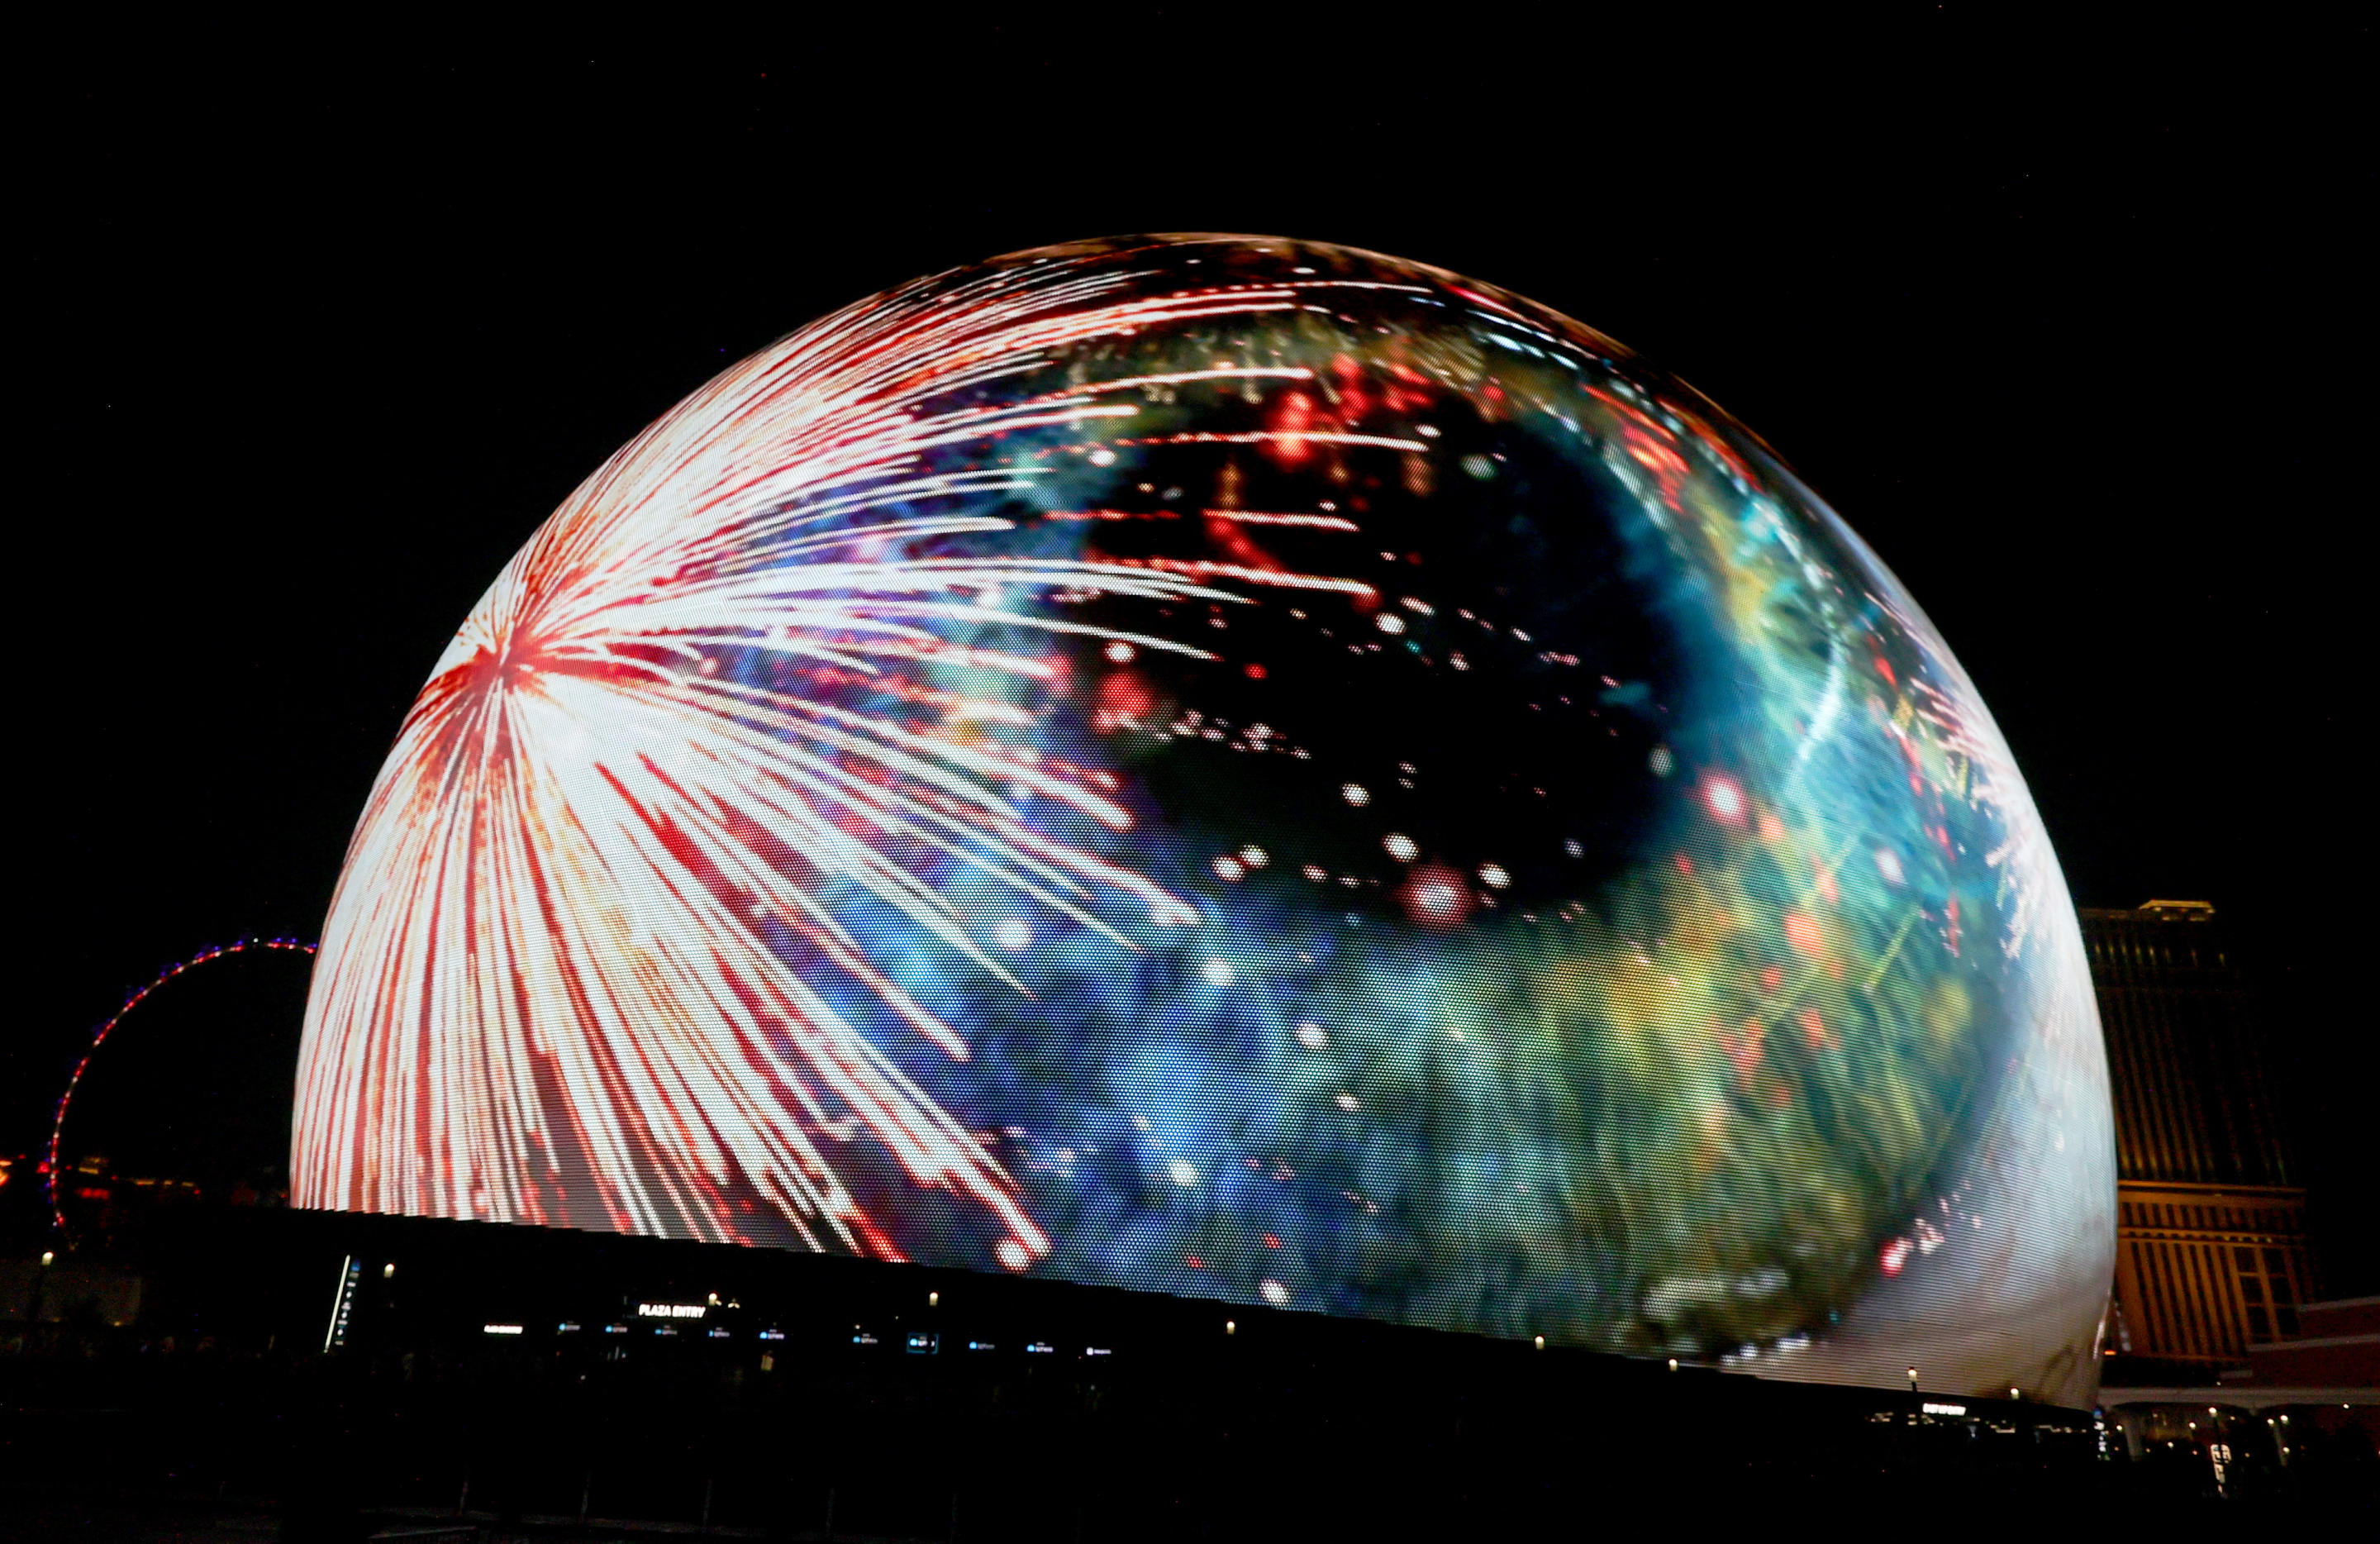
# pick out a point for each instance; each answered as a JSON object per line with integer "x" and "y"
{"x": 2062, "y": 321}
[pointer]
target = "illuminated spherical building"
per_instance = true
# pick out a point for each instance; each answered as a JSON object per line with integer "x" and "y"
{"x": 1246, "y": 770}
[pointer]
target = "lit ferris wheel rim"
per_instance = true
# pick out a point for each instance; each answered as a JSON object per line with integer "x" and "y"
{"x": 98, "y": 1037}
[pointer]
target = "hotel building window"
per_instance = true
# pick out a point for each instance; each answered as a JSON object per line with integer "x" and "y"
{"x": 2211, "y": 1246}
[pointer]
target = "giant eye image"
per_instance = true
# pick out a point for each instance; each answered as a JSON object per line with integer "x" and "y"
{"x": 1247, "y": 770}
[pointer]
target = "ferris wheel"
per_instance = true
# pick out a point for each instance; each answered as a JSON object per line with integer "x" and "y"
{"x": 49, "y": 1158}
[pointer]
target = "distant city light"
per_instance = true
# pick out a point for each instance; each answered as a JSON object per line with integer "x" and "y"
{"x": 499, "y": 1329}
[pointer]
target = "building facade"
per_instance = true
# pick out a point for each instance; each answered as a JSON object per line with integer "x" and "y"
{"x": 2211, "y": 1242}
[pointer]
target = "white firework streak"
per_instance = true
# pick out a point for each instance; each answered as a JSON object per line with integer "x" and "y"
{"x": 2028, "y": 876}
{"x": 546, "y": 988}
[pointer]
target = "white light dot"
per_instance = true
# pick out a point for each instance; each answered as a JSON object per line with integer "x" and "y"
{"x": 1312, "y": 1037}
{"x": 1726, "y": 800}
{"x": 1014, "y": 1255}
{"x": 1660, "y": 761}
{"x": 1272, "y": 1291}
{"x": 1119, "y": 651}
{"x": 1103, "y": 457}
{"x": 1887, "y": 863}
{"x": 1390, "y": 623}
{"x": 1316, "y": 872}
{"x": 1219, "y": 973}
{"x": 1012, "y": 936}
{"x": 1356, "y": 793}
{"x": 1348, "y": 1102}
{"x": 1401, "y": 847}
{"x": 1255, "y": 856}
{"x": 1435, "y": 899}
{"x": 1227, "y": 868}
{"x": 1493, "y": 875}
{"x": 1182, "y": 1171}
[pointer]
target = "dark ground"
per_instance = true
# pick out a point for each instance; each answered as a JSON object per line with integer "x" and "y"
{"x": 1294, "y": 1427}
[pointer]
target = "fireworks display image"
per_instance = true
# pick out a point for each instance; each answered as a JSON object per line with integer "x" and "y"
{"x": 1248, "y": 770}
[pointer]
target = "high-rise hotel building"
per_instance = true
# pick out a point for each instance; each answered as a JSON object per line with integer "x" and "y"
{"x": 2211, "y": 1246}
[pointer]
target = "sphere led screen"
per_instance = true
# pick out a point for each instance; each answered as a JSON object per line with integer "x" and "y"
{"x": 1247, "y": 770}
